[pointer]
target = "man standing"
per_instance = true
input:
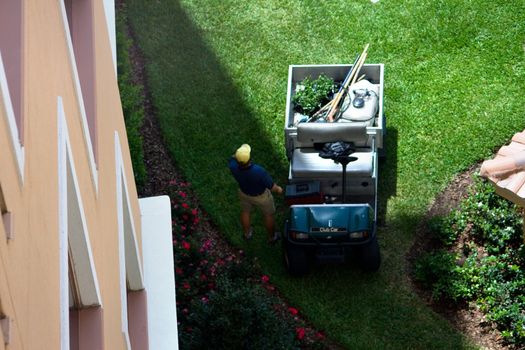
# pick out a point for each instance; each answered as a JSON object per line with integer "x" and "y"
{"x": 255, "y": 189}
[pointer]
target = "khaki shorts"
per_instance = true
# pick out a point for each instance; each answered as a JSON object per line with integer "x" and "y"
{"x": 263, "y": 201}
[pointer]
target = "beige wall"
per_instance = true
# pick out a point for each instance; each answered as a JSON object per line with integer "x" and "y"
{"x": 29, "y": 263}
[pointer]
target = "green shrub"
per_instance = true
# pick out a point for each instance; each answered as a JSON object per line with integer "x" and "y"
{"x": 491, "y": 219}
{"x": 132, "y": 102}
{"x": 490, "y": 270}
{"x": 443, "y": 228}
{"x": 236, "y": 315}
{"x": 312, "y": 94}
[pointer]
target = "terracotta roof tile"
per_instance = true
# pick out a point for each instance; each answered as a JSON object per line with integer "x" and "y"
{"x": 507, "y": 169}
{"x": 519, "y": 137}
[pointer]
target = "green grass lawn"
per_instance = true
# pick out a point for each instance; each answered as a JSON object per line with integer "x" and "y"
{"x": 454, "y": 87}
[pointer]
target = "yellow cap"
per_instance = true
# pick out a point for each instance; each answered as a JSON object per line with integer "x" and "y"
{"x": 243, "y": 154}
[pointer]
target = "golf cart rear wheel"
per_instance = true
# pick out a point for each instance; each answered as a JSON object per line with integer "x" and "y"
{"x": 370, "y": 258}
{"x": 296, "y": 261}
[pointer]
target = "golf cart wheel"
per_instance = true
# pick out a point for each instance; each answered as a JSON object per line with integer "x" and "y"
{"x": 370, "y": 258}
{"x": 296, "y": 261}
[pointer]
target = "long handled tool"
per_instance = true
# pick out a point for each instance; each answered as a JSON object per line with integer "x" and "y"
{"x": 350, "y": 78}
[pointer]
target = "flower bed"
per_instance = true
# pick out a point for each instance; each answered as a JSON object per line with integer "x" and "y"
{"x": 481, "y": 261}
{"x": 223, "y": 300}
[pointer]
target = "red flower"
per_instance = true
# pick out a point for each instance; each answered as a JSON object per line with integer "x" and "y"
{"x": 185, "y": 205}
{"x": 186, "y": 285}
{"x": 300, "y": 332}
{"x": 205, "y": 246}
{"x": 194, "y": 211}
{"x": 183, "y": 195}
{"x": 178, "y": 271}
{"x": 293, "y": 310}
{"x": 265, "y": 279}
{"x": 186, "y": 245}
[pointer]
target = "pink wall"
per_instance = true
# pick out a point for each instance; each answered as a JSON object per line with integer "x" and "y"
{"x": 86, "y": 329}
{"x": 11, "y": 50}
{"x": 80, "y": 19}
{"x": 138, "y": 319}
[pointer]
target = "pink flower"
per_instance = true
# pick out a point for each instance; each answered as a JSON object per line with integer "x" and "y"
{"x": 205, "y": 299}
{"x": 205, "y": 246}
{"x": 186, "y": 245}
{"x": 178, "y": 271}
{"x": 183, "y": 194}
{"x": 194, "y": 212}
{"x": 265, "y": 279}
{"x": 300, "y": 332}
{"x": 186, "y": 285}
{"x": 293, "y": 310}
{"x": 185, "y": 205}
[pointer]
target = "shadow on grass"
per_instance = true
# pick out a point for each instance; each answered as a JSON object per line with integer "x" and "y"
{"x": 204, "y": 118}
{"x": 387, "y": 182}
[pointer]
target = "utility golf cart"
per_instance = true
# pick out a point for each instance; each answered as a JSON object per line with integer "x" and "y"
{"x": 332, "y": 181}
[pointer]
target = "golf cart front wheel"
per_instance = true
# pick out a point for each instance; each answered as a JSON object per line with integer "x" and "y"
{"x": 370, "y": 257}
{"x": 296, "y": 261}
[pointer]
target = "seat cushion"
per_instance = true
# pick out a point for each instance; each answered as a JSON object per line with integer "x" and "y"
{"x": 306, "y": 163}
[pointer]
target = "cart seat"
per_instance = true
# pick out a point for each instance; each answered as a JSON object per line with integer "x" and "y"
{"x": 306, "y": 163}
{"x": 310, "y": 134}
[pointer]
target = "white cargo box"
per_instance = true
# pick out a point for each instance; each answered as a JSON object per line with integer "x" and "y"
{"x": 296, "y": 73}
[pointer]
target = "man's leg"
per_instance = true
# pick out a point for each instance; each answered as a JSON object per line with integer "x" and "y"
{"x": 269, "y": 224}
{"x": 245, "y": 222}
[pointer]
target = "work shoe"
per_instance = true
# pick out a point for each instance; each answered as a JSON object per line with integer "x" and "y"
{"x": 248, "y": 236}
{"x": 275, "y": 238}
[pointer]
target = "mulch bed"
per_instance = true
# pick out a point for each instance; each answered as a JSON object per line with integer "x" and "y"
{"x": 467, "y": 319}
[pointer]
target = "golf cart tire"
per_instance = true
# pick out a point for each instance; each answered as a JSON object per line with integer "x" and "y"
{"x": 296, "y": 261}
{"x": 370, "y": 257}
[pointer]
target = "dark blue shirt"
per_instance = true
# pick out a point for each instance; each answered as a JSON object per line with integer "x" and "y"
{"x": 253, "y": 180}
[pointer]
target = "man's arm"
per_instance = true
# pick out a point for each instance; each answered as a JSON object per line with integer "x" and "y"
{"x": 276, "y": 188}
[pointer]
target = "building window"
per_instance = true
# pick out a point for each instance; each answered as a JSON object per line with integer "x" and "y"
{"x": 81, "y": 321}
{"x": 11, "y": 51}
{"x": 85, "y": 323}
{"x": 7, "y": 219}
{"x": 81, "y": 27}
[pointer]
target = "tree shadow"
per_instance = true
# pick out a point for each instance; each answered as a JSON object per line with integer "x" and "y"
{"x": 201, "y": 111}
